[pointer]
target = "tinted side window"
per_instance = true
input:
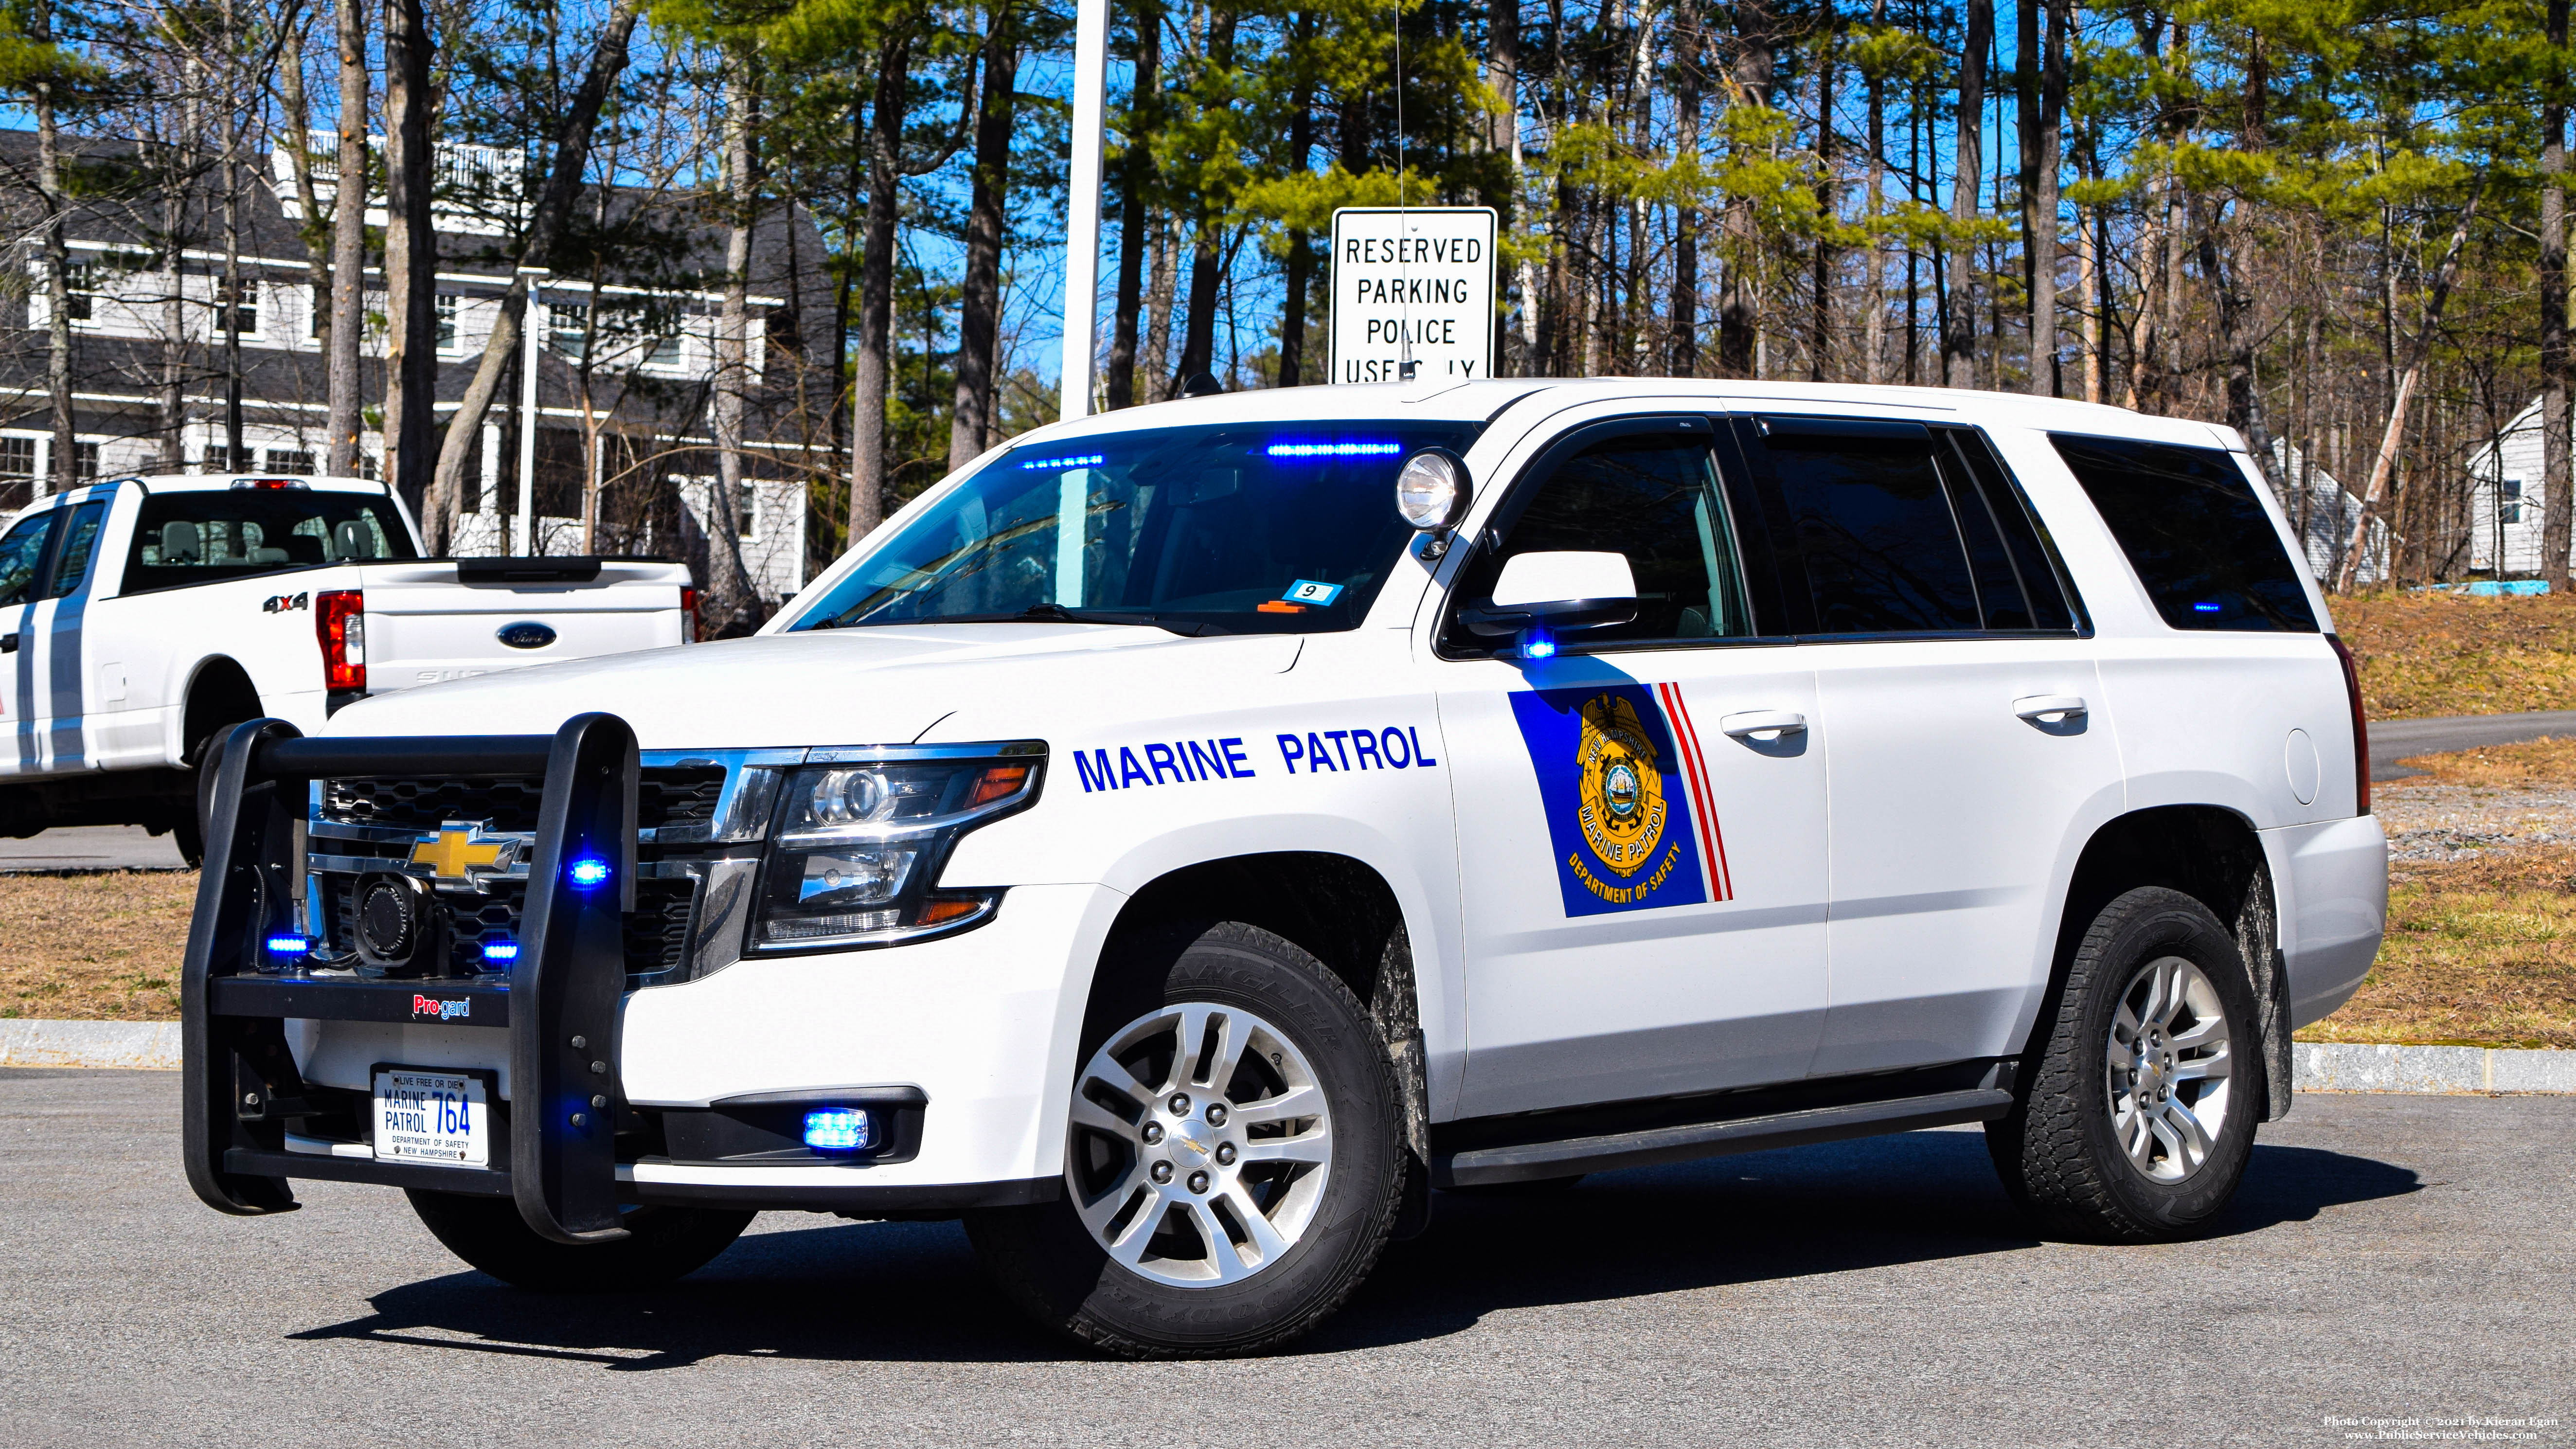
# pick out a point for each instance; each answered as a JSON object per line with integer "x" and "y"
{"x": 1985, "y": 498}
{"x": 20, "y": 553}
{"x": 2192, "y": 528}
{"x": 1867, "y": 515}
{"x": 71, "y": 561}
{"x": 1654, "y": 499}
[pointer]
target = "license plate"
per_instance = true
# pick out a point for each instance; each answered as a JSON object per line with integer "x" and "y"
{"x": 433, "y": 1117}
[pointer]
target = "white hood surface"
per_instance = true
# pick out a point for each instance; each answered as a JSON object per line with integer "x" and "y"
{"x": 863, "y": 686}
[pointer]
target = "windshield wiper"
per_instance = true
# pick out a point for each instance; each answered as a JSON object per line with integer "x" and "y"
{"x": 1051, "y": 613}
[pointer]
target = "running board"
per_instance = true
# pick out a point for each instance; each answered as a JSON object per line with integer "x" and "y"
{"x": 1537, "y": 1161}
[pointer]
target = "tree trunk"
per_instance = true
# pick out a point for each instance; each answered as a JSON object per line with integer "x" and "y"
{"x": 2393, "y": 436}
{"x": 464, "y": 435}
{"x": 1959, "y": 328}
{"x": 970, "y": 425}
{"x": 1207, "y": 263}
{"x": 342, "y": 421}
{"x": 1822, "y": 325}
{"x": 732, "y": 608}
{"x": 1135, "y": 177}
{"x": 870, "y": 375}
{"x": 63, "y": 462}
{"x": 2042, "y": 191}
{"x": 1736, "y": 323}
{"x": 1874, "y": 284}
{"x": 1687, "y": 108}
{"x": 2558, "y": 506}
{"x": 411, "y": 265}
{"x": 299, "y": 160}
{"x": 1300, "y": 261}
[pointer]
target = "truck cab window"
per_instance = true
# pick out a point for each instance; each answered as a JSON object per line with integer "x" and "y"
{"x": 1652, "y": 498}
{"x": 200, "y": 537}
{"x": 80, "y": 540}
{"x": 20, "y": 552}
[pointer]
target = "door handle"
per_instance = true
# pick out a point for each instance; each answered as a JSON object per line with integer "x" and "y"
{"x": 1774, "y": 722}
{"x": 2049, "y": 708}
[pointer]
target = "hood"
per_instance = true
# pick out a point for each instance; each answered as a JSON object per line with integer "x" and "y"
{"x": 871, "y": 686}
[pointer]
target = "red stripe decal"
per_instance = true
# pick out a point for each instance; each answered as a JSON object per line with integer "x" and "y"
{"x": 1712, "y": 841}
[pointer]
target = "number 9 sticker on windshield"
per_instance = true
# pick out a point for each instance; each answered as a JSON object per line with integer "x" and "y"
{"x": 1629, "y": 814}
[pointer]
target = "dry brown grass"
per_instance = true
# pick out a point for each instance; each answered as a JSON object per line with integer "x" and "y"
{"x": 2480, "y": 952}
{"x": 100, "y": 947}
{"x": 2442, "y": 654}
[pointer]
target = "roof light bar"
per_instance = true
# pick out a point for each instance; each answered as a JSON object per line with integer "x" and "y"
{"x": 1334, "y": 450}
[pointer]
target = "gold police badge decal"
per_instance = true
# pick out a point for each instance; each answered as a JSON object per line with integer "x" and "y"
{"x": 1622, "y": 810}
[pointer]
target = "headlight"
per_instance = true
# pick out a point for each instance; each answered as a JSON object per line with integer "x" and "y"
{"x": 858, "y": 846}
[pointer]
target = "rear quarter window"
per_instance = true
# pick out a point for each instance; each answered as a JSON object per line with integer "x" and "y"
{"x": 2189, "y": 522}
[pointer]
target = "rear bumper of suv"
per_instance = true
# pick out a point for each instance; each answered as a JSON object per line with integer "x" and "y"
{"x": 2332, "y": 882}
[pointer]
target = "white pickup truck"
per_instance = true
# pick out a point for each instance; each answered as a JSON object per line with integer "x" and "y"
{"x": 140, "y": 617}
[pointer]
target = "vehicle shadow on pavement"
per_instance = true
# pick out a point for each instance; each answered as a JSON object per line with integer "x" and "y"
{"x": 912, "y": 1291}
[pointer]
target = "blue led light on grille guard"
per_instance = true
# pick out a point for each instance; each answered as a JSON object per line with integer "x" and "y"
{"x": 838, "y": 1129}
{"x": 587, "y": 873}
{"x": 500, "y": 950}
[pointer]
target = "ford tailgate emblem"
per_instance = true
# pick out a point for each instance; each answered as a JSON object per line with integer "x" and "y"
{"x": 526, "y": 634}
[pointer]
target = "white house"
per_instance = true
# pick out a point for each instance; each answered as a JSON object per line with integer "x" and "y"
{"x": 2321, "y": 513}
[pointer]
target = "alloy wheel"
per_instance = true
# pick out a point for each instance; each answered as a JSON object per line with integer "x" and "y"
{"x": 2168, "y": 1069}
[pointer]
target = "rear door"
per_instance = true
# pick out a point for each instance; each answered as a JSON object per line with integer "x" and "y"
{"x": 1971, "y": 755}
{"x": 1644, "y": 893}
{"x": 54, "y": 638}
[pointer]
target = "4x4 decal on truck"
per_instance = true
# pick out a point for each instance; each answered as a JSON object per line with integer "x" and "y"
{"x": 1628, "y": 807}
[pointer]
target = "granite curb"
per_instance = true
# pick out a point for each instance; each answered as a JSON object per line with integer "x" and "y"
{"x": 2316, "y": 1066}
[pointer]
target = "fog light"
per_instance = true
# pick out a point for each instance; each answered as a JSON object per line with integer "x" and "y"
{"x": 587, "y": 873}
{"x": 837, "y": 1129}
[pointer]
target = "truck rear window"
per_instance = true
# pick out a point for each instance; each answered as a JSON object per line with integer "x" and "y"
{"x": 202, "y": 537}
{"x": 2192, "y": 528}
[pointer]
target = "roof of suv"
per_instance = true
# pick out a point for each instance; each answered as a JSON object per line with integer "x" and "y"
{"x": 1488, "y": 401}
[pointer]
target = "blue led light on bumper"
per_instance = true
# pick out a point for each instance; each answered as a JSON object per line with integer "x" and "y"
{"x": 500, "y": 950}
{"x": 1334, "y": 450}
{"x": 838, "y": 1129}
{"x": 288, "y": 945}
{"x": 587, "y": 873}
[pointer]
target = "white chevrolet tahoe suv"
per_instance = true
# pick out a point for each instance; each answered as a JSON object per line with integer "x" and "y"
{"x": 1183, "y": 840}
{"x": 141, "y": 617}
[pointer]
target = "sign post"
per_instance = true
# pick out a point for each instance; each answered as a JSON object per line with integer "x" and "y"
{"x": 1413, "y": 294}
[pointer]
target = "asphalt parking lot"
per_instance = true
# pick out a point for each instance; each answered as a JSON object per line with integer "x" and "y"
{"x": 2392, "y": 1258}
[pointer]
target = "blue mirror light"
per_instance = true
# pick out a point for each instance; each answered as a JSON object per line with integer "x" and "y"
{"x": 1537, "y": 644}
{"x": 587, "y": 873}
{"x": 838, "y": 1129}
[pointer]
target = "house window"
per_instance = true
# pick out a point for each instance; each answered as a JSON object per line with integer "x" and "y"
{"x": 84, "y": 460}
{"x": 668, "y": 353}
{"x": 568, "y": 324}
{"x": 80, "y": 289}
{"x": 17, "y": 458}
{"x": 2510, "y": 509}
{"x": 747, "y": 511}
{"x": 289, "y": 461}
{"x": 218, "y": 460}
{"x": 238, "y": 314}
{"x": 447, "y": 321}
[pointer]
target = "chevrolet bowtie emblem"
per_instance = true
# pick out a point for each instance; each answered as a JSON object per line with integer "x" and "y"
{"x": 458, "y": 852}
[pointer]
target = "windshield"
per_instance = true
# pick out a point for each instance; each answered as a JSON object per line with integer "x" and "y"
{"x": 1234, "y": 528}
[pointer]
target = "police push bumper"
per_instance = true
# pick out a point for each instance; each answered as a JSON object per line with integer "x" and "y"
{"x": 245, "y": 977}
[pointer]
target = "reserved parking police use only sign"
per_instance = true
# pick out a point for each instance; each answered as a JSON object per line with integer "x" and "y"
{"x": 1416, "y": 285}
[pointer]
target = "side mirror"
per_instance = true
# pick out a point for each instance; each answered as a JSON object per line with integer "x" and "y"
{"x": 1541, "y": 594}
{"x": 1432, "y": 492}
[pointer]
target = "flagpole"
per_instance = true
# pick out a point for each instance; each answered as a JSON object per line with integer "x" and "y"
{"x": 1082, "y": 223}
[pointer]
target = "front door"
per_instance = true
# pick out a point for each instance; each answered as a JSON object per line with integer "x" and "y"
{"x": 47, "y": 694}
{"x": 22, "y": 561}
{"x": 1644, "y": 891}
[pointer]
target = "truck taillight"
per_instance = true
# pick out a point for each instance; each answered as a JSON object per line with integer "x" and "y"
{"x": 2360, "y": 726}
{"x": 688, "y": 616}
{"x": 340, "y": 618}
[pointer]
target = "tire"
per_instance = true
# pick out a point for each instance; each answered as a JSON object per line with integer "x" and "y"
{"x": 1190, "y": 1232}
{"x": 2138, "y": 1116}
{"x": 662, "y": 1244}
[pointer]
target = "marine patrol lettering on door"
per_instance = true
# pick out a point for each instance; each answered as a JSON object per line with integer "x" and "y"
{"x": 1629, "y": 813}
